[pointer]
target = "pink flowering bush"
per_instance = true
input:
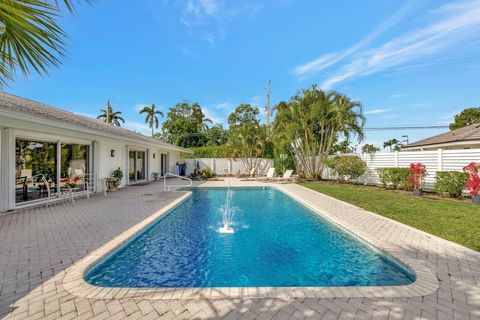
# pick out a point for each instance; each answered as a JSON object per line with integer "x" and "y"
{"x": 416, "y": 173}
{"x": 473, "y": 183}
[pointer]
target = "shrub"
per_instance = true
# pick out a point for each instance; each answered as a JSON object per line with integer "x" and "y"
{"x": 450, "y": 182}
{"x": 416, "y": 173}
{"x": 209, "y": 152}
{"x": 394, "y": 177}
{"x": 347, "y": 167}
{"x": 473, "y": 183}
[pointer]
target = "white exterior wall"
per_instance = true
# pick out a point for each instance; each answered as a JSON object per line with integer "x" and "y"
{"x": 219, "y": 165}
{"x": 101, "y": 161}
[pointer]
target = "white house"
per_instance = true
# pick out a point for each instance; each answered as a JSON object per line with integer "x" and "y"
{"x": 38, "y": 141}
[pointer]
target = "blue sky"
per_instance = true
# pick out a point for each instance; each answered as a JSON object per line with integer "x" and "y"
{"x": 408, "y": 62}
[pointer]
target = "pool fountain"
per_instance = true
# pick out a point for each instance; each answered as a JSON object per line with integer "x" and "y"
{"x": 228, "y": 212}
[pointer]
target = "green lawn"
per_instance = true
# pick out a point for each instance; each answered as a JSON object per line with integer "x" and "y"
{"x": 452, "y": 220}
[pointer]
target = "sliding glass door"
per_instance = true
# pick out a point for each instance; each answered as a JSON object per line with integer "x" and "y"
{"x": 33, "y": 160}
{"x": 136, "y": 165}
{"x": 163, "y": 164}
{"x": 44, "y": 167}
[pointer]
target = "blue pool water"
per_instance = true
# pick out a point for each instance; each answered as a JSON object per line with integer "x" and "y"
{"x": 277, "y": 242}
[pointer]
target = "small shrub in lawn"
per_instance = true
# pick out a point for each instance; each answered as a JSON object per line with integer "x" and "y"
{"x": 450, "y": 182}
{"x": 394, "y": 177}
{"x": 347, "y": 167}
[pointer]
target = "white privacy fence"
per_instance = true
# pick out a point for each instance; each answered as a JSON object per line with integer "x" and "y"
{"x": 222, "y": 165}
{"x": 437, "y": 160}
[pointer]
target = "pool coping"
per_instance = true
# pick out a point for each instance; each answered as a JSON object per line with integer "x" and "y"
{"x": 426, "y": 282}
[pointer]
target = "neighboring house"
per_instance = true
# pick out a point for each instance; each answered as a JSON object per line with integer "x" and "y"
{"x": 38, "y": 140}
{"x": 463, "y": 138}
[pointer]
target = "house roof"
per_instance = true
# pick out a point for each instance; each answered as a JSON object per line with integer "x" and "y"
{"x": 9, "y": 102}
{"x": 468, "y": 133}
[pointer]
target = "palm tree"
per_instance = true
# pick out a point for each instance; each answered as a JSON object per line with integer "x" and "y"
{"x": 392, "y": 143}
{"x": 311, "y": 122}
{"x": 110, "y": 117}
{"x": 151, "y": 116}
{"x": 30, "y": 37}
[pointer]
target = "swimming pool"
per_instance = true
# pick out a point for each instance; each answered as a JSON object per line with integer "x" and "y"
{"x": 277, "y": 242}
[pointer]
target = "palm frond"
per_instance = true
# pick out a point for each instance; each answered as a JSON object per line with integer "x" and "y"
{"x": 30, "y": 37}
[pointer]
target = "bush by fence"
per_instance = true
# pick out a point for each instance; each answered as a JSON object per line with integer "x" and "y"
{"x": 347, "y": 167}
{"x": 209, "y": 152}
{"x": 450, "y": 183}
{"x": 395, "y": 178}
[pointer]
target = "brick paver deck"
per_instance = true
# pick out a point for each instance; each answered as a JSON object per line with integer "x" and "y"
{"x": 38, "y": 245}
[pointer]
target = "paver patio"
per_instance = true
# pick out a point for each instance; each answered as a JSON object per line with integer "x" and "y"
{"x": 38, "y": 245}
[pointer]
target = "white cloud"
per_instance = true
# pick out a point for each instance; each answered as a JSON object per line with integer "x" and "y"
{"x": 227, "y": 105}
{"x": 451, "y": 26}
{"x": 207, "y": 19}
{"x": 376, "y": 111}
{"x": 137, "y": 127}
{"x": 330, "y": 59}
{"x": 398, "y": 95}
{"x": 210, "y": 115}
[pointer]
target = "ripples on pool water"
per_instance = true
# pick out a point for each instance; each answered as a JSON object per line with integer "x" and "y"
{"x": 277, "y": 242}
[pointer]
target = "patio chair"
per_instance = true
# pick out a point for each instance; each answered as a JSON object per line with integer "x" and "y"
{"x": 226, "y": 172}
{"x": 269, "y": 176}
{"x": 21, "y": 187}
{"x": 287, "y": 176}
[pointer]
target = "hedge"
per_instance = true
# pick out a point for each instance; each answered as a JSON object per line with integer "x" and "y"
{"x": 394, "y": 177}
{"x": 450, "y": 182}
{"x": 209, "y": 152}
{"x": 347, "y": 167}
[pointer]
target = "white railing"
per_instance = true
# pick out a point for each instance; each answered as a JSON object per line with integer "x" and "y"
{"x": 169, "y": 187}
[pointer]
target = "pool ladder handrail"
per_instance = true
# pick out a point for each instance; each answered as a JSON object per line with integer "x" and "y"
{"x": 168, "y": 187}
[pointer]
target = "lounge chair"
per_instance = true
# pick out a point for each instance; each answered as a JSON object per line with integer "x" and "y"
{"x": 287, "y": 176}
{"x": 269, "y": 176}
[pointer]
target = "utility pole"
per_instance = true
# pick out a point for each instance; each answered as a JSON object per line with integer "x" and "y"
{"x": 268, "y": 104}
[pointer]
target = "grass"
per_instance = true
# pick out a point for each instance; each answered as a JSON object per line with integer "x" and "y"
{"x": 457, "y": 221}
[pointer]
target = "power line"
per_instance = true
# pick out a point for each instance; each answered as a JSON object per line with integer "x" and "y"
{"x": 408, "y": 127}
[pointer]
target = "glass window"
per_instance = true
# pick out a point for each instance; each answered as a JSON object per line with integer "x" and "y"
{"x": 34, "y": 159}
{"x": 131, "y": 166}
{"x": 73, "y": 165}
{"x": 140, "y": 165}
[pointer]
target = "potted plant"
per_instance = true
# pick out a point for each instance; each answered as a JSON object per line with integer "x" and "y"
{"x": 473, "y": 183}
{"x": 181, "y": 168}
{"x": 114, "y": 181}
{"x": 416, "y": 173}
{"x": 72, "y": 182}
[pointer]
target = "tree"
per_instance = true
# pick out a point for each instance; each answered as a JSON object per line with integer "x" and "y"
{"x": 312, "y": 121}
{"x": 249, "y": 142}
{"x": 186, "y": 125}
{"x": 342, "y": 147}
{"x": 370, "y": 148}
{"x": 151, "y": 116}
{"x": 392, "y": 144}
{"x": 216, "y": 135}
{"x": 30, "y": 37}
{"x": 465, "y": 118}
{"x": 110, "y": 117}
{"x": 243, "y": 114}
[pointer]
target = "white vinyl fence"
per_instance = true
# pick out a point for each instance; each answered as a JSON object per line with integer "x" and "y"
{"x": 222, "y": 165}
{"x": 437, "y": 160}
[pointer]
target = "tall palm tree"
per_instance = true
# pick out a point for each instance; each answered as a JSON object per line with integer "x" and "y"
{"x": 151, "y": 116}
{"x": 392, "y": 143}
{"x": 110, "y": 117}
{"x": 311, "y": 122}
{"x": 30, "y": 37}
